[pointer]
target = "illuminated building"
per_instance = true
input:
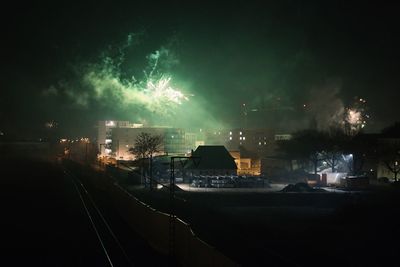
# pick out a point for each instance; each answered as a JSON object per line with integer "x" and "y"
{"x": 124, "y": 138}
{"x": 246, "y": 166}
{"x": 256, "y": 141}
{"x": 115, "y": 138}
{"x": 104, "y": 134}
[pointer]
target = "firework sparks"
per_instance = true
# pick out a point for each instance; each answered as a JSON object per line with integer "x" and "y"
{"x": 355, "y": 117}
{"x": 120, "y": 84}
{"x": 50, "y": 124}
{"x": 161, "y": 91}
{"x": 107, "y": 82}
{"x": 155, "y": 91}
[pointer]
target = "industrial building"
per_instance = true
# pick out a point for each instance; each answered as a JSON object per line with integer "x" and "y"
{"x": 211, "y": 160}
{"x": 115, "y": 138}
{"x": 246, "y": 146}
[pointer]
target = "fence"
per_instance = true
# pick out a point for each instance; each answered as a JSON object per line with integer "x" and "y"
{"x": 153, "y": 226}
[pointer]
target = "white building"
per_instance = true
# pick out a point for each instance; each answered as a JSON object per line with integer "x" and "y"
{"x": 104, "y": 134}
{"x": 124, "y": 138}
{"x": 116, "y": 137}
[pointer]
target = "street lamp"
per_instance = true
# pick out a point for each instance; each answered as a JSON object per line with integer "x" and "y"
{"x": 100, "y": 151}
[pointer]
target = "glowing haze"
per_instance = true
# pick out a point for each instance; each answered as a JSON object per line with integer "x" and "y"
{"x": 151, "y": 96}
{"x": 75, "y": 63}
{"x": 154, "y": 91}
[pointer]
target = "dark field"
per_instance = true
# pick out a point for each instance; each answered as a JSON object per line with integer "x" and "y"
{"x": 292, "y": 229}
{"x": 43, "y": 221}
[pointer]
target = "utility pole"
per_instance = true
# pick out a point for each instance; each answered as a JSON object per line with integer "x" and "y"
{"x": 244, "y": 113}
{"x": 86, "y": 150}
{"x": 172, "y": 209}
{"x": 151, "y": 172}
{"x": 172, "y": 217}
{"x": 100, "y": 161}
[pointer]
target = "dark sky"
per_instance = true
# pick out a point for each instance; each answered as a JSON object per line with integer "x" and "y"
{"x": 230, "y": 53}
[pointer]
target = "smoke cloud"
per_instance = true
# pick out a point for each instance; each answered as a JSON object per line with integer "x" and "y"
{"x": 151, "y": 94}
{"x": 326, "y": 107}
{"x": 329, "y": 111}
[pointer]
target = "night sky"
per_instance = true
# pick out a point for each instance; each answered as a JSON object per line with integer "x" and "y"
{"x": 274, "y": 57}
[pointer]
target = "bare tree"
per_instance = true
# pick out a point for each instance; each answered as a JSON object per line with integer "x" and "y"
{"x": 146, "y": 145}
{"x": 390, "y": 156}
{"x": 141, "y": 145}
{"x": 389, "y": 151}
{"x": 394, "y": 167}
{"x": 335, "y": 146}
{"x": 306, "y": 146}
{"x": 154, "y": 145}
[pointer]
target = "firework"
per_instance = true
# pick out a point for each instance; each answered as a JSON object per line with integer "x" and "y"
{"x": 355, "y": 117}
{"x": 154, "y": 92}
{"x": 161, "y": 91}
{"x": 50, "y": 124}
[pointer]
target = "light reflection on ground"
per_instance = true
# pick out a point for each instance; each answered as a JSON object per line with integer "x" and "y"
{"x": 271, "y": 188}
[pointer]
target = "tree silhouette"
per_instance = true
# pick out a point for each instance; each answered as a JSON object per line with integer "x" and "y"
{"x": 335, "y": 145}
{"x": 145, "y": 146}
{"x": 389, "y": 153}
{"x": 390, "y": 156}
{"x": 306, "y": 146}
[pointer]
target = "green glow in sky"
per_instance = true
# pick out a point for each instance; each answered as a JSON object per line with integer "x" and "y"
{"x": 152, "y": 94}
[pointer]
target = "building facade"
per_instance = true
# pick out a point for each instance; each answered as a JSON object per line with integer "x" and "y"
{"x": 115, "y": 138}
{"x": 105, "y": 130}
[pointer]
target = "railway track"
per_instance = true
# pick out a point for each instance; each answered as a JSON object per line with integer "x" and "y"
{"x": 114, "y": 253}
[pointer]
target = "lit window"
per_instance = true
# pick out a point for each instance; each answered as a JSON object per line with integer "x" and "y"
{"x": 240, "y": 138}
{"x": 244, "y": 138}
{"x": 110, "y": 123}
{"x": 230, "y": 137}
{"x": 230, "y": 133}
{"x": 259, "y": 143}
{"x": 240, "y": 133}
{"x": 265, "y": 143}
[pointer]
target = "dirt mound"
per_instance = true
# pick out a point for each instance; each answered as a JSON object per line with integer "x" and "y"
{"x": 300, "y": 188}
{"x": 166, "y": 189}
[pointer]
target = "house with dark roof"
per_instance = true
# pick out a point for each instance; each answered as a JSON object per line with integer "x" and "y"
{"x": 211, "y": 160}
